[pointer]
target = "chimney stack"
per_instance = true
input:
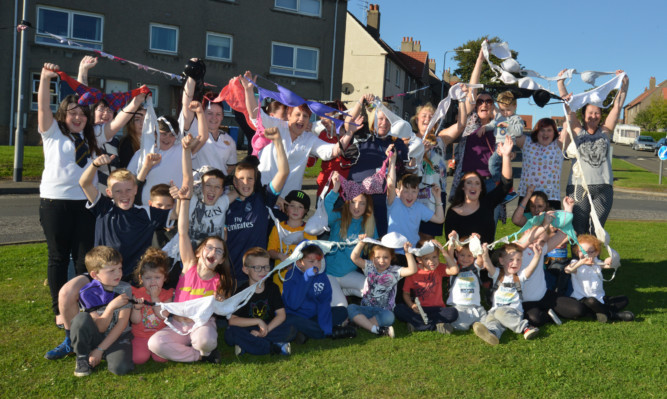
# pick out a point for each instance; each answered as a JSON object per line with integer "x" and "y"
{"x": 417, "y": 46}
{"x": 373, "y": 20}
{"x": 407, "y": 45}
{"x": 651, "y": 83}
{"x": 431, "y": 65}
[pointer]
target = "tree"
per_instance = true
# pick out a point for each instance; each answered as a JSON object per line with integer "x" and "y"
{"x": 466, "y": 61}
{"x": 644, "y": 120}
{"x": 653, "y": 117}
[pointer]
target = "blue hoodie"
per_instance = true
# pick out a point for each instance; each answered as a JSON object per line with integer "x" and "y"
{"x": 308, "y": 298}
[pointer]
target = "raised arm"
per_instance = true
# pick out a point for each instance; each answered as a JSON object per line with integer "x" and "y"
{"x": 250, "y": 100}
{"x": 537, "y": 250}
{"x": 412, "y": 263}
{"x": 451, "y": 133}
{"x": 505, "y": 149}
{"x": 439, "y": 215}
{"x": 87, "y": 63}
{"x": 486, "y": 260}
{"x": 124, "y": 116}
{"x": 518, "y": 217}
{"x": 346, "y": 138}
{"x": 86, "y": 181}
{"x": 44, "y": 113}
{"x": 355, "y": 257}
{"x": 391, "y": 176}
{"x": 184, "y": 245}
{"x": 356, "y": 109}
{"x": 562, "y": 90}
{"x": 196, "y": 108}
{"x": 612, "y": 118}
{"x": 279, "y": 179}
{"x": 476, "y": 74}
{"x": 186, "y": 99}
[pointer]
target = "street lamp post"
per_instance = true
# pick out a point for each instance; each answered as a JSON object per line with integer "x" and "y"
{"x": 444, "y": 61}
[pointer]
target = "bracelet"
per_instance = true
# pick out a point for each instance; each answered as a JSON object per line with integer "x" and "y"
{"x": 100, "y": 349}
{"x": 96, "y": 166}
{"x": 438, "y": 204}
{"x": 521, "y": 206}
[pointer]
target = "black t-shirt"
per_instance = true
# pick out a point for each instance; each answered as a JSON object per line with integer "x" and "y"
{"x": 263, "y": 305}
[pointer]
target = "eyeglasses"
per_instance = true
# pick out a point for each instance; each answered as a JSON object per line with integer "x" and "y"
{"x": 264, "y": 268}
{"x": 217, "y": 251}
{"x": 103, "y": 110}
{"x": 488, "y": 101}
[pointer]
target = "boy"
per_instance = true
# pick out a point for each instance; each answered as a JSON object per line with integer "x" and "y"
{"x": 281, "y": 245}
{"x": 405, "y": 215}
{"x": 426, "y": 286}
{"x": 464, "y": 291}
{"x": 103, "y": 329}
{"x": 507, "y": 311}
{"x": 506, "y": 122}
{"x": 307, "y": 299}
{"x": 258, "y": 327}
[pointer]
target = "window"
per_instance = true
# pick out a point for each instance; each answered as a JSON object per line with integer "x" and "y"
{"x": 82, "y": 27}
{"x": 227, "y": 110}
{"x": 163, "y": 38}
{"x": 307, "y": 7}
{"x": 294, "y": 61}
{"x": 387, "y": 71}
{"x": 218, "y": 47}
{"x": 55, "y": 92}
{"x": 154, "y": 90}
{"x": 398, "y": 78}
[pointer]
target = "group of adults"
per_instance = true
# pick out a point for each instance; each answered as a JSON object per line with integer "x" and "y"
{"x": 356, "y": 152}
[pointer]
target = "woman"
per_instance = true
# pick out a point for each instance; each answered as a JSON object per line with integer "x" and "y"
{"x": 219, "y": 149}
{"x": 325, "y": 130}
{"x": 298, "y": 146}
{"x": 542, "y": 161}
{"x": 69, "y": 140}
{"x": 472, "y": 207}
{"x": 593, "y": 141}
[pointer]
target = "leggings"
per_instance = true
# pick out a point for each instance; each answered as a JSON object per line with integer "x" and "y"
{"x": 571, "y": 308}
{"x": 603, "y": 199}
{"x": 536, "y": 311}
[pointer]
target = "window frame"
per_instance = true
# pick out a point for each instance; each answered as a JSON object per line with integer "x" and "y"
{"x": 297, "y": 10}
{"x": 150, "y": 38}
{"x": 99, "y": 45}
{"x": 294, "y": 69}
{"x": 155, "y": 90}
{"x": 231, "y": 46}
{"x": 398, "y": 77}
{"x": 35, "y": 79}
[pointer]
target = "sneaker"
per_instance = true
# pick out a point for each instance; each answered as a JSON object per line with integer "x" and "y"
{"x": 530, "y": 332}
{"x": 343, "y": 332}
{"x": 554, "y": 317}
{"x": 300, "y": 338}
{"x": 624, "y": 315}
{"x": 284, "y": 348}
{"x": 82, "y": 368}
{"x": 411, "y": 328}
{"x": 388, "y": 331}
{"x": 213, "y": 357}
{"x": 237, "y": 350}
{"x": 509, "y": 197}
{"x": 444, "y": 328}
{"x": 602, "y": 317}
{"x": 484, "y": 333}
{"x": 60, "y": 351}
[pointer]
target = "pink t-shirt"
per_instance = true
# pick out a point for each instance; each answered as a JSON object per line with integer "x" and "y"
{"x": 150, "y": 323}
{"x": 191, "y": 286}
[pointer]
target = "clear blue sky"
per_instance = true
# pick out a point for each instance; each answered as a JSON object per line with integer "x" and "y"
{"x": 549, "y": 35}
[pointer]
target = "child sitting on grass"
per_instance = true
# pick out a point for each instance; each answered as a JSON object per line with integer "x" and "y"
{"x": 507, "y": 311}
{"x": 426, "y": 287}
{"x": 151, "y": 274}
{"x": 103, "y": 329}
{"x": 379, "y": 292}
{"x": 588, "y": 297}
{"x": 258, "y": 327}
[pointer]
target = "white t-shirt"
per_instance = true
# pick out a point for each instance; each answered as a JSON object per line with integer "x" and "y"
{"x": 508, "y": 295}
{"x": 587, "y": 282}
{"x": 169, "y": 168}
{"x": 60, "y": 178}
{"x": 465, "y": 291}
{"x": 208, "y": 220}
{"x": 297, "y": 152}
{"x": 216, "y": 153}
{"x": 536, "y": 286}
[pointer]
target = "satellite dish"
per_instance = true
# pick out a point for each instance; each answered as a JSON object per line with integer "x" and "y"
{"x": 347, "y": 88}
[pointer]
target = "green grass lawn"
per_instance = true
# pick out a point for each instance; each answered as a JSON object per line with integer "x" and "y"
{"x": 627, "y": 175}
{"x": 577, "y": 359}
{"x": 33, "y": 162}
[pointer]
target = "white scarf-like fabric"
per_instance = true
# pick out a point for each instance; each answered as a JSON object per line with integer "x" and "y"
{"x": 455, "y": 93}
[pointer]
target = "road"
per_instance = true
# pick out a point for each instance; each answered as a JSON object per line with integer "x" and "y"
{"x": 19, "y": 218}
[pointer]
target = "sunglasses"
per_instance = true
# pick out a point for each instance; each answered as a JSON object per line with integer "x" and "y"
{"x": 488, "y": 101}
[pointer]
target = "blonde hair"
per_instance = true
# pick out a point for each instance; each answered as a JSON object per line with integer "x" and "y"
{"x": 506, "y": 98}
{"x": 122, "y": 174}
{"x": 100, "y": 257}
{"x": 413, "y": 120}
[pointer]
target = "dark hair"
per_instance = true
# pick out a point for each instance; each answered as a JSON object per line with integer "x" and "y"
{"x": 507, "y": 248}
{"x": 227, "y": 284}
{"x": 409, "y": 180}
{"x": 459, "y": 195}
{"x": 541, "y": 124}
{"x": 160, "y": 190}
{"x": 538, "y": 194}
{"x": 217, "y": 173}
{"x": 338, "y": 104}
{"x": 163, "y": 127}
{"x": 248, "y": 163}
{"x": 88, "y": 132}
{"x": 312, "y": 249}
{"x": 152, "y": 259}
{"x": 274, "y": 106}
{"x": 130, "y": 134}
{"x": 303, "y": 107}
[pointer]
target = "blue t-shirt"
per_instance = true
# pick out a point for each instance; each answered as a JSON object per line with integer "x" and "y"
{"x": 248, "y": 226}
{"x": 405, "y": 221}
{"x": 129, "y": 232}
{"x": 372, "y": 155}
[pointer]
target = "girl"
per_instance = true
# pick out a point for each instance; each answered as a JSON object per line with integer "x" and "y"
{"x": 588, "y": 297}
{"x": 379, "y": 293}
{"x": 206, "y": 271}
{"x": 151, "y": 274}
{"x": 354, "y": 217}
{"x": 532, "y": 204}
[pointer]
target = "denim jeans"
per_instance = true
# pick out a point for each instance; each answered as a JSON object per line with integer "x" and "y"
{"x": 384, "y": 317}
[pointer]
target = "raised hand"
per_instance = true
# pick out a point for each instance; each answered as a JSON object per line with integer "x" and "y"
{"x": 335, "y": 179}
{"x": 196, "y": 107}
{"x": 245, "y": 83}
{"x": 272, "y": 133}
{"x": 152, "y": 159}
{"x": 88, "y": 62}
{"x": 173, "y": 190}
{"x": 103, "y": 159}
{"x": 49, "y": 70}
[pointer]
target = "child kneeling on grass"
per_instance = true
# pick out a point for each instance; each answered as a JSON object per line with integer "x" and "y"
{"x": 507, "y": 311}
{"x": 258, "y": 327}
{"x": 379, "y": 292}
{"x": 425, "y": 286}
{"x": 103, "y": 329}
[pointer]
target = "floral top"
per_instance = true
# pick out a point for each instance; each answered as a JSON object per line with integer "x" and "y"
{"x": 541, "y": 167}
{"x": 380, "y": 287}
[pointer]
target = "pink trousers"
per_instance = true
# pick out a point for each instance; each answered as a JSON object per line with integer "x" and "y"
{"x": 141, "y": 353}
{"x": 170, "y": 345}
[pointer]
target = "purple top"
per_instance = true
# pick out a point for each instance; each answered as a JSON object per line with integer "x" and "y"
{"x": 477, "y": 153}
